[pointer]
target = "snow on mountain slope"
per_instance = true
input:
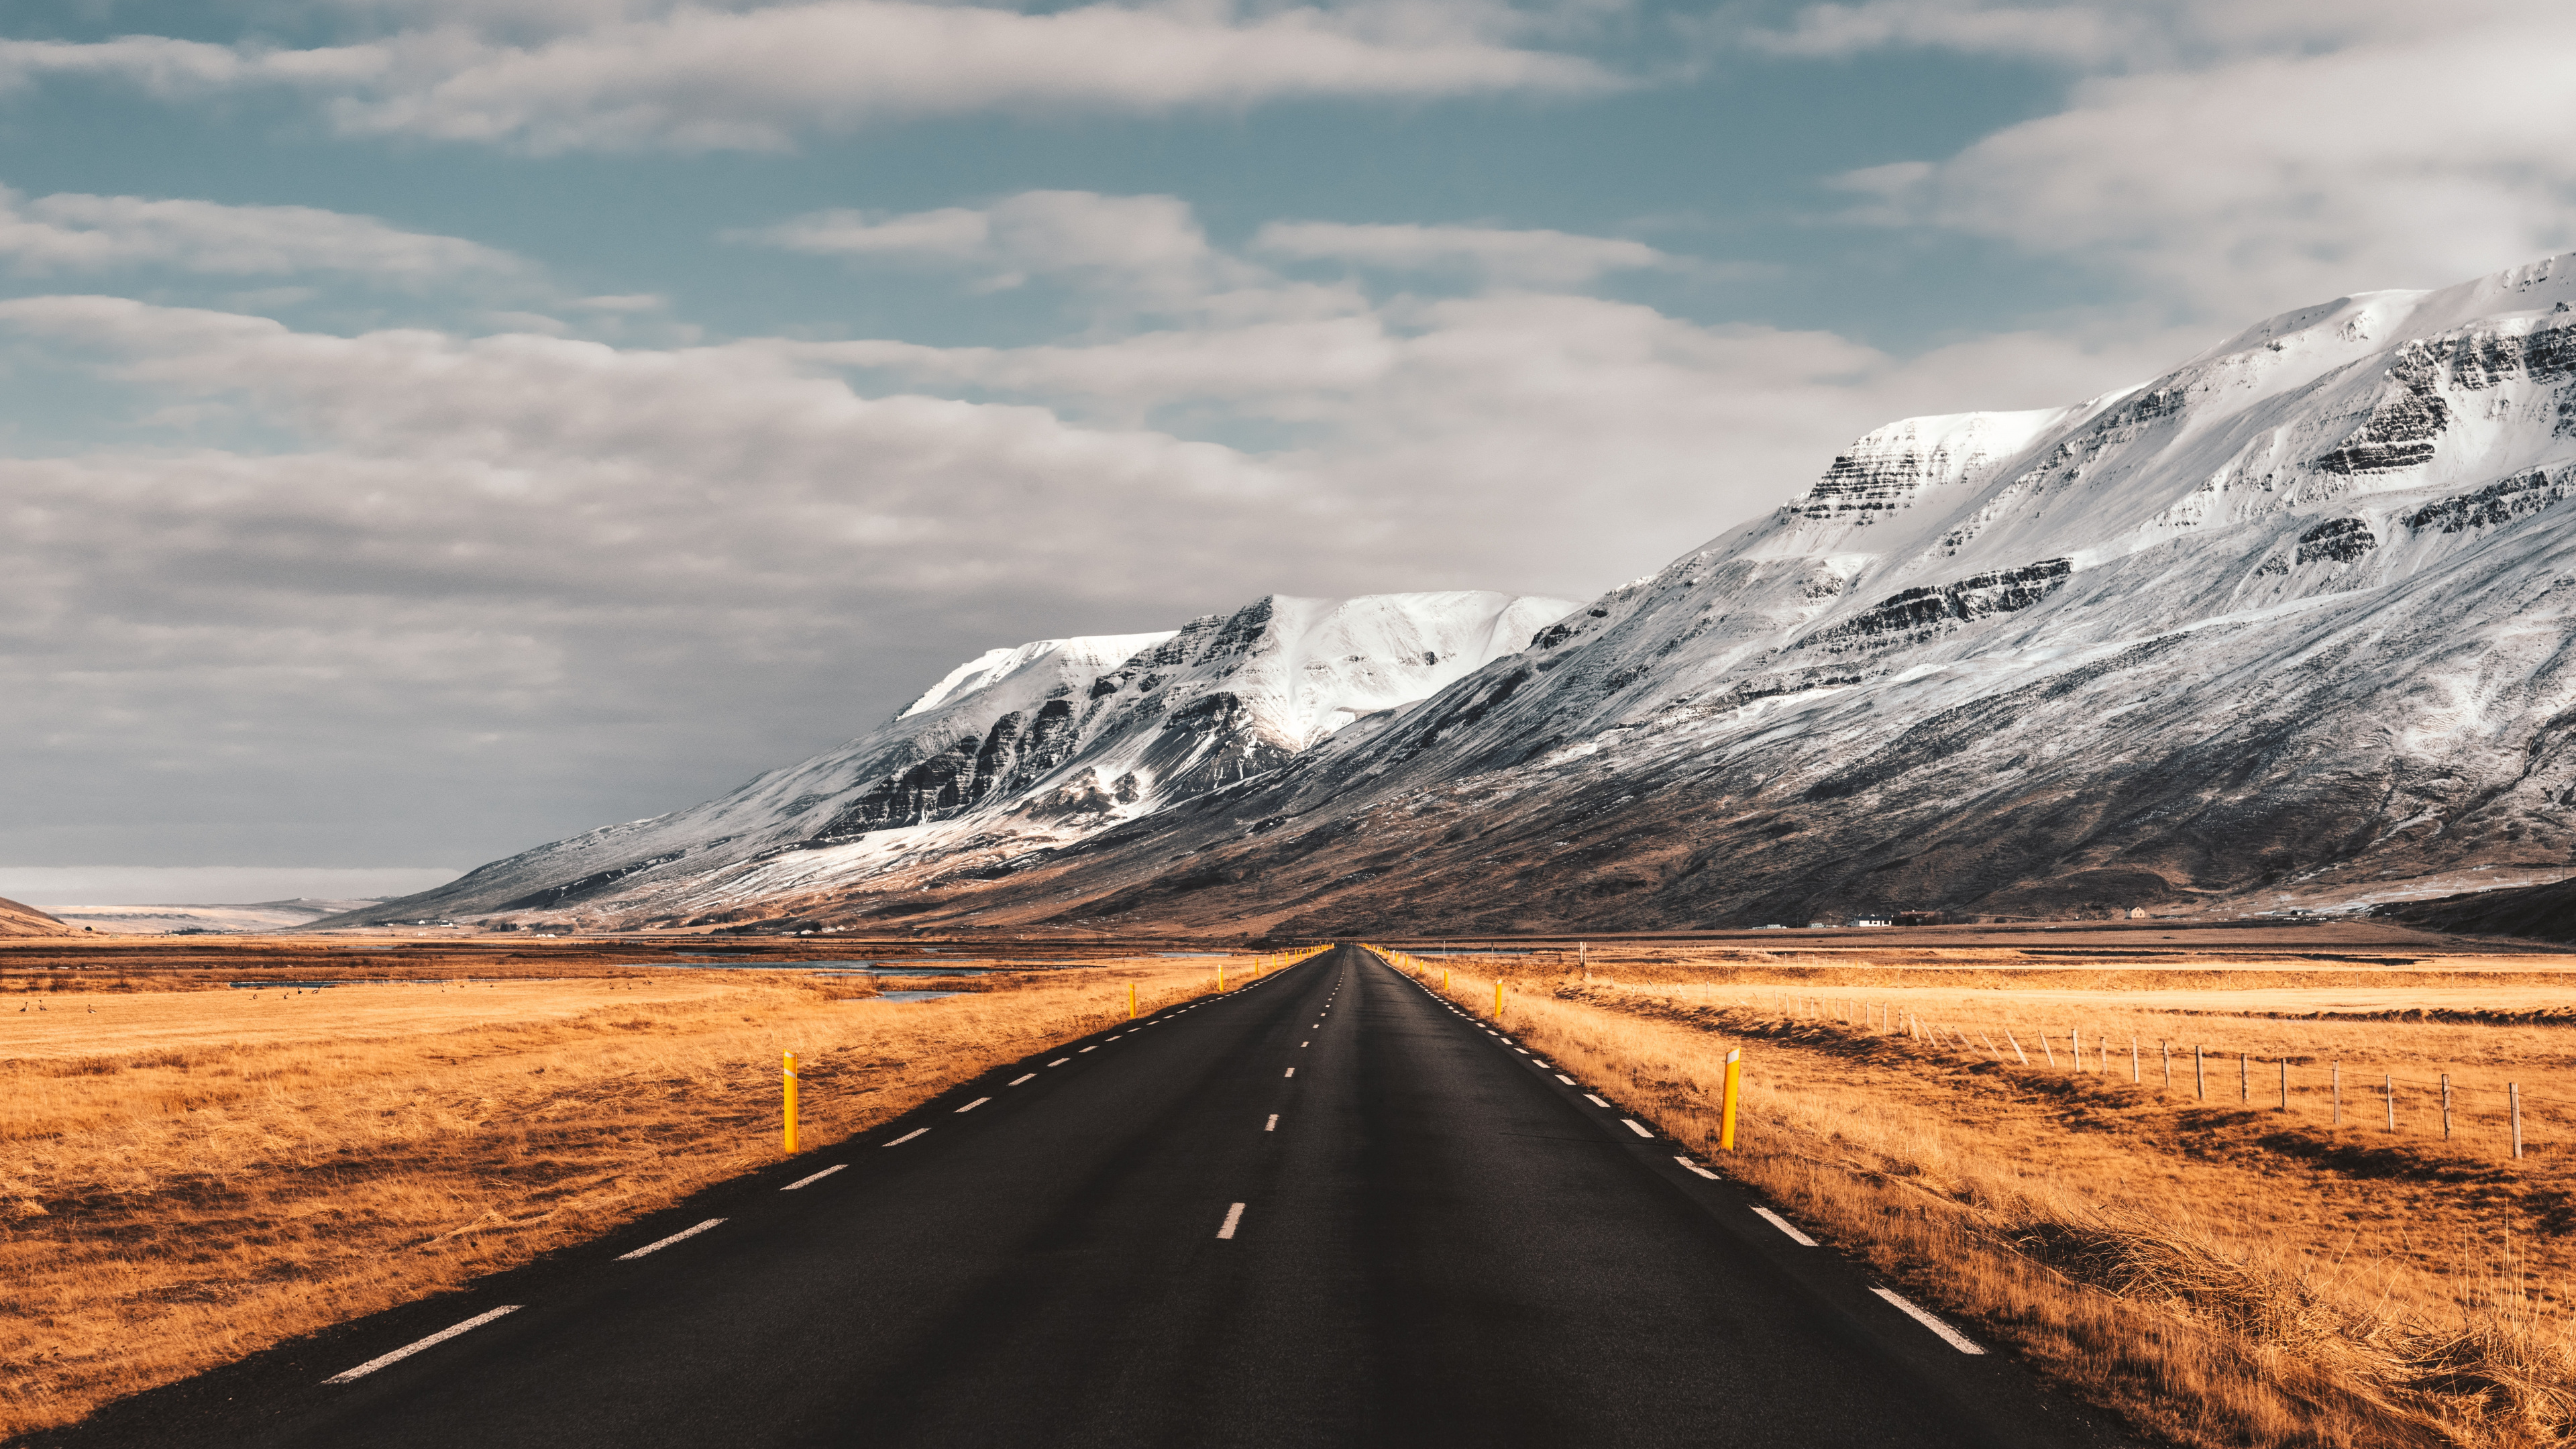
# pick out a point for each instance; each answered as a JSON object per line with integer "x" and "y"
{"x": 1026, "y": 747}
{"x": 2289, "y": 622}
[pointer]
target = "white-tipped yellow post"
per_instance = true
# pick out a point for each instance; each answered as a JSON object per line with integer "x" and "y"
{"x": 1498, "y": 1002}
{"x": 1726, "y": 1105}
{"x": 788, "y": 1080}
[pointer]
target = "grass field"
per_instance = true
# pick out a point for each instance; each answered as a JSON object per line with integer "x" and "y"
{"x": 189, "y": 1175}
{"x": 2219, "y": 1269}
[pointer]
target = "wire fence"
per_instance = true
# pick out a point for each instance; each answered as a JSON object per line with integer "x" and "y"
{"x": 2467, "y": 1107}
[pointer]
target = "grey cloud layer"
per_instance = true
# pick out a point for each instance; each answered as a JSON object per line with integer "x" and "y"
{"x": 695, "y": 79}
{"x": 513, "y": 585}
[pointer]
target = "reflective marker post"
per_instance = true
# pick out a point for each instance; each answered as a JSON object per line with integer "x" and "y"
{"x": 788, "y": 1080}
{"x": 1726, "y": 1108}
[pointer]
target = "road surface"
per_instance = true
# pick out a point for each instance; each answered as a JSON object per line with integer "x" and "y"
{"x": 1324, "y": 1209}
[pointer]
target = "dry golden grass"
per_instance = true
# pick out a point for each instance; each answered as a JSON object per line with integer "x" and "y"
{"x": 186, "y": 1177}
{"x": 2222, "y": 1272}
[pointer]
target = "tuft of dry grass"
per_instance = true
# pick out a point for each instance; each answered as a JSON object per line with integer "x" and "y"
{"x": 2220, "y": 1272}
{"x": 187, "y": 1177}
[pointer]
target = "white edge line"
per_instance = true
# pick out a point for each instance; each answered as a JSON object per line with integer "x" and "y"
{"x": 407, "y": 1350}
{"x": 1949, "y": 1335}
{"x": 1784, "y": 1225}
{"x": 817, "y": 1177}
{"x": 1233, "y": 1215}
{"x": 666, "y": 1242}
{"x": 1695, "y": 1167}
{"x": 1631, "y": 1124}
{"x": 1595, "y": 1101}
{"x": 1562, "y": 1077}
{"x": 907, "y": 1137}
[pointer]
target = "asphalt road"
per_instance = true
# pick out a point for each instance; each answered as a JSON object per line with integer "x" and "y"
{"x": 1324, "y": 1209}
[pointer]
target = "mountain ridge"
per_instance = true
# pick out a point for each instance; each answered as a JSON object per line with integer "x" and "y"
{"x": 2285, "y": 625}
{"x": 1038, "y": 745}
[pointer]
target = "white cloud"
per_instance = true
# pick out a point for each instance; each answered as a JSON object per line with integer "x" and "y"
{"x": 70, "y": 232}
{"x": 2253, "y": 157}
{"x": 1480, "y": 411}
{"x": 1532, "y": 257}
{"x": 1149, "y": 248}
{"x": 180, "y": 68}
{"x": 2080, "y": 33}
{"x": 2134, "y": 35}
{"x": 692, "y": 78}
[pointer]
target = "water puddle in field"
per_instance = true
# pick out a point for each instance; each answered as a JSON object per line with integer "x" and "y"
{"x": 826, "y": 968}
{"x": 910, "y": 995}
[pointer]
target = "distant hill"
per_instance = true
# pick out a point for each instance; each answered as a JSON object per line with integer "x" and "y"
{"x": 18, "y": 920}
{"x": 2541, "y": 912}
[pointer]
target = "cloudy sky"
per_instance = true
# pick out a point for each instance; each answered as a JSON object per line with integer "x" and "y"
{"x": 437, "y": 426}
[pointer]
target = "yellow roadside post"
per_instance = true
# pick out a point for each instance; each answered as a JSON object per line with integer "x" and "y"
{"x": 1726, "y": 1108}
{"x": 788, "y": 1079}
{"x": 1131, "y": 1001}
{"x": 1498, "y": 1002}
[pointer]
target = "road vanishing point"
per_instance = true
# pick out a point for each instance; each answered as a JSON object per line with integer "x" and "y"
{"x": 1326, "y": 1208}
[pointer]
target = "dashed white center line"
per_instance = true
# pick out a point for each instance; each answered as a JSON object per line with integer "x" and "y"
{"x": 907, "y": 1137}
{"x": 1114, "y": 1038}
{"x": 971, "y": 1106}
{"x": 1292, "y": 1071}
{"x": 1949, "y": 1335}
{"x": 1628, "y": 1122}
{"x": 1273, "y": 1124}
{"x": 1784, "y": 1225}
{"x": 1304, "y": 1044}
{"x": 1562, "y": 1077}
{"x": 1095, "y": 1046}
{"x": 1595, "y": 1101}
{"x": 817, "y": 1177}
{"x": 1695, "y": 1167}
{"x": 1059, "y": 1061}
{"x": 407, "y": 1350}
{"x": 1233, "y": 1215}
{"x": 666, "y": 1242}
{"x": 1031, "y": 1077}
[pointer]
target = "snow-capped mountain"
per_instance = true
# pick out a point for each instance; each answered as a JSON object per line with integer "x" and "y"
{"x": 1019, "y": 749}
{"x": 2288, "y": 624}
